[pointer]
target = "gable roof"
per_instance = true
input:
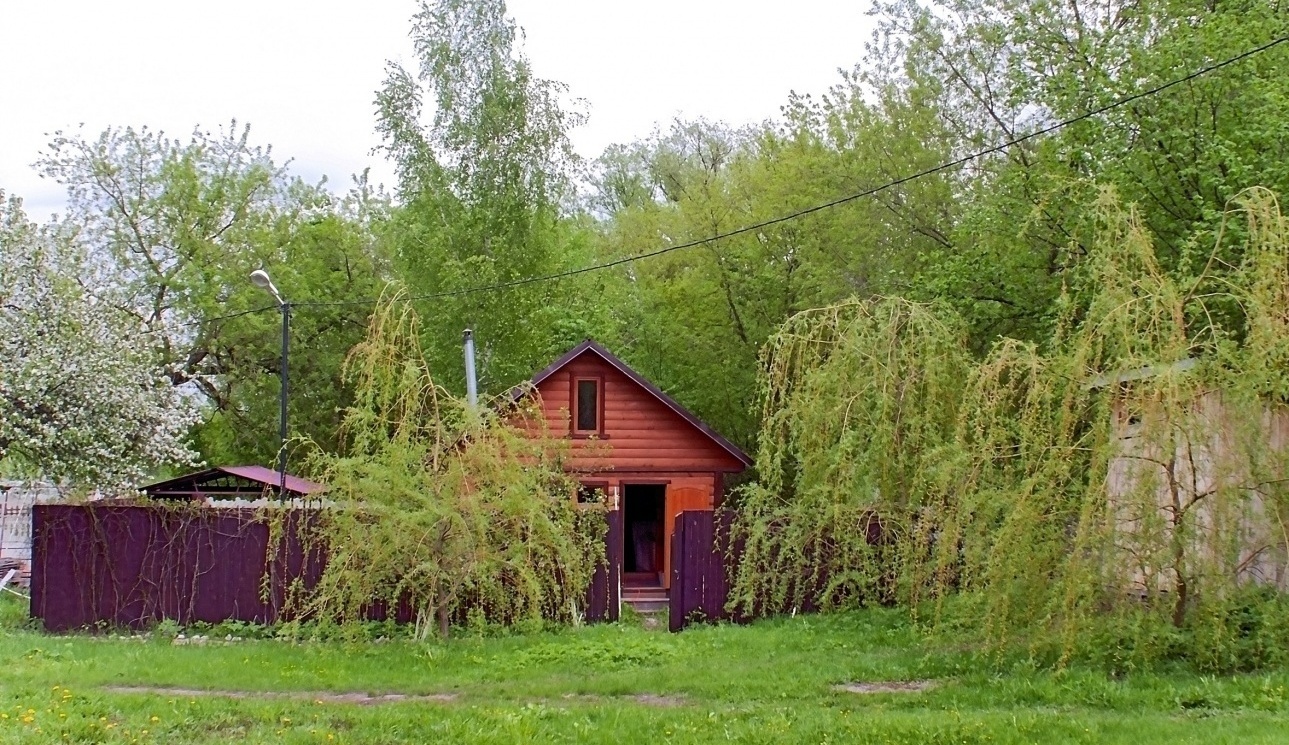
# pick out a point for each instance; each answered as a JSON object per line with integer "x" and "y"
{"x": 230, "y": 481}
{"x": 591, "y": 346}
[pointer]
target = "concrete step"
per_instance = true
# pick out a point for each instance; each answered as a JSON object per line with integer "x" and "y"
{"x": 646, "y": 599}
{"x": 645, "y": 592}
{"x": 647, "y": 605}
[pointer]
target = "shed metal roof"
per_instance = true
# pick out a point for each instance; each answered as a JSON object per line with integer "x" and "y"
{"x": 230, "y": 481}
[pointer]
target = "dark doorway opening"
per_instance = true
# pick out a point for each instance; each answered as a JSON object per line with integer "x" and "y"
{"x": 642, "y": 527}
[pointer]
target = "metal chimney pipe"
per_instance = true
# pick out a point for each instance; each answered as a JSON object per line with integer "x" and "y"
{"x": 471, "y": 384}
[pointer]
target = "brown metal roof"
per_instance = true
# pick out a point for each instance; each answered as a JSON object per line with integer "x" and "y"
{"x": 591, "y": 346}
{"x": 230, "y": 481}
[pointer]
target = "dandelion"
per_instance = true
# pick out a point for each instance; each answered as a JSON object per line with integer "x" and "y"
{"x": 156, "y": 718}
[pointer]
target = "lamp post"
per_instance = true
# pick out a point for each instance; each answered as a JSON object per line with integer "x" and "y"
{"x": 260, "y": 279}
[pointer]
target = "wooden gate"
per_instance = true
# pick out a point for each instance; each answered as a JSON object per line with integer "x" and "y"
{"x": 683, "y": 499}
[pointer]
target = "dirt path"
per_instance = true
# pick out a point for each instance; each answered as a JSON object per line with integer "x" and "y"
{"x": 371, "y": 699}
{"x": 321, "y": 697}
{"x": 888, "y": 686}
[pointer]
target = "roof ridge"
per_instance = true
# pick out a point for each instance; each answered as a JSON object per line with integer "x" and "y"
{"x": 591, "y": 345}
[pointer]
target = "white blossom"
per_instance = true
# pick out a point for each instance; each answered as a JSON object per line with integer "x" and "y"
{"x": 82, "y": 400}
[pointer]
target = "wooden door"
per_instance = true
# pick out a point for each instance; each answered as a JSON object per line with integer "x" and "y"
{"x": 680, "y": 500}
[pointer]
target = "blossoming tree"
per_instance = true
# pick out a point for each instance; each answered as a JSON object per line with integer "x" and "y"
{"x": 82, "y": 401}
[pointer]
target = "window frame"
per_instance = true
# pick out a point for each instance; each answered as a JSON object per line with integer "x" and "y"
{"x": 602, "y": 486}
{"x": 574, "y": 408}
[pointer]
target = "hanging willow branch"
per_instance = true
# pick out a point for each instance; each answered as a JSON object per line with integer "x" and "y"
{"x": 445, "y": 508}
{"x": 1134, "y": 472}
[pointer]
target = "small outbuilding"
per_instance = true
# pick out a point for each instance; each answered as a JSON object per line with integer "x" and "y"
{"x": 1205, "y": 469}
{"x": 646, "y": 454}
{"x": 224, "y": 483}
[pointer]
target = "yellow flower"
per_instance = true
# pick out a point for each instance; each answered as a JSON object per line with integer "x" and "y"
{"x": 156, "y": 718}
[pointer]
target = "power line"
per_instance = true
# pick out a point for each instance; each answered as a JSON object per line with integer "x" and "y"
{"x": 202, "y": 321}
{"x": 949, "y": 165}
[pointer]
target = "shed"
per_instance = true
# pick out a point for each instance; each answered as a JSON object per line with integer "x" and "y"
{"x": 1198, "y": 450}
{"x": 246, "y": 483}
{"x": 650, "y": 457}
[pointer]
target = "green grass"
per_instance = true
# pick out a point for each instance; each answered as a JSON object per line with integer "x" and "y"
{"x": 770, "y": 682}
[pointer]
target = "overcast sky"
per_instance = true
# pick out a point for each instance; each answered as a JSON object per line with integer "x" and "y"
{"x": 303, "y": 73}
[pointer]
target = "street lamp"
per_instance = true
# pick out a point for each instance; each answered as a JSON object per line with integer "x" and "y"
{"x": 260, "y": 279}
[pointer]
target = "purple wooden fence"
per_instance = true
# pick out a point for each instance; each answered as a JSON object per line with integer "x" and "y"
{"x": 604, "y": 596}
{"x": 699, "y": 571}
{"x": 703, "y": 560}
{"x": 132, "y": 565}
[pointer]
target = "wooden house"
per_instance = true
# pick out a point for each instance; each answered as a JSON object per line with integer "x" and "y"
{"x": 645, "y": 453}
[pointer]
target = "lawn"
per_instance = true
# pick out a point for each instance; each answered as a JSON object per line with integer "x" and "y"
{"x": 770, "y": 682}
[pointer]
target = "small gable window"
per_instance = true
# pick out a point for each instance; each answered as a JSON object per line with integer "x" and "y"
{"x": 586, "y": 417}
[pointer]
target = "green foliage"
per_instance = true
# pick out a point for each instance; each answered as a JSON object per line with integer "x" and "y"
{"x": 994, "y": 70}
{"x": 624, "y": 651}
{"x": 483, "y": 187}
{"x": 860, "y": 400}
{"x": 448, "y": 508}
{"x": 174, "y": 228}
{"x": 1101, "y": 491}
{"x": 768, "y": 682}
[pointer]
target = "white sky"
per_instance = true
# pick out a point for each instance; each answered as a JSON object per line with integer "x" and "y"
{"x": 303, "y": 72}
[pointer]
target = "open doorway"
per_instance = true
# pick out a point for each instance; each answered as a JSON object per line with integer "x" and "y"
{"x": 643, "y": 538}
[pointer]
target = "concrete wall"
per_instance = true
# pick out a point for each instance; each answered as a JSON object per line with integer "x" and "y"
{"x": 1217, "y": 469}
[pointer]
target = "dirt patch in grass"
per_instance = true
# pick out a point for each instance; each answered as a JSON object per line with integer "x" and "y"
{"x": 644, "y": 699}
{"x": 886, "y": 686}
{"x": 321, "y": 697}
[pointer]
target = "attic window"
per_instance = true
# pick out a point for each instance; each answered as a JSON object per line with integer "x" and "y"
{"x": 586, "y": 417}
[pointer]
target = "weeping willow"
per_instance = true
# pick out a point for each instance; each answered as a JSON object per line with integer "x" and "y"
{"x": 454, "y": 510}
{"x": 1124, "y": 486}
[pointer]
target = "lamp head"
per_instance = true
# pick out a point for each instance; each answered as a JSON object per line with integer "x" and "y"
{"x": 260, "y": 279}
